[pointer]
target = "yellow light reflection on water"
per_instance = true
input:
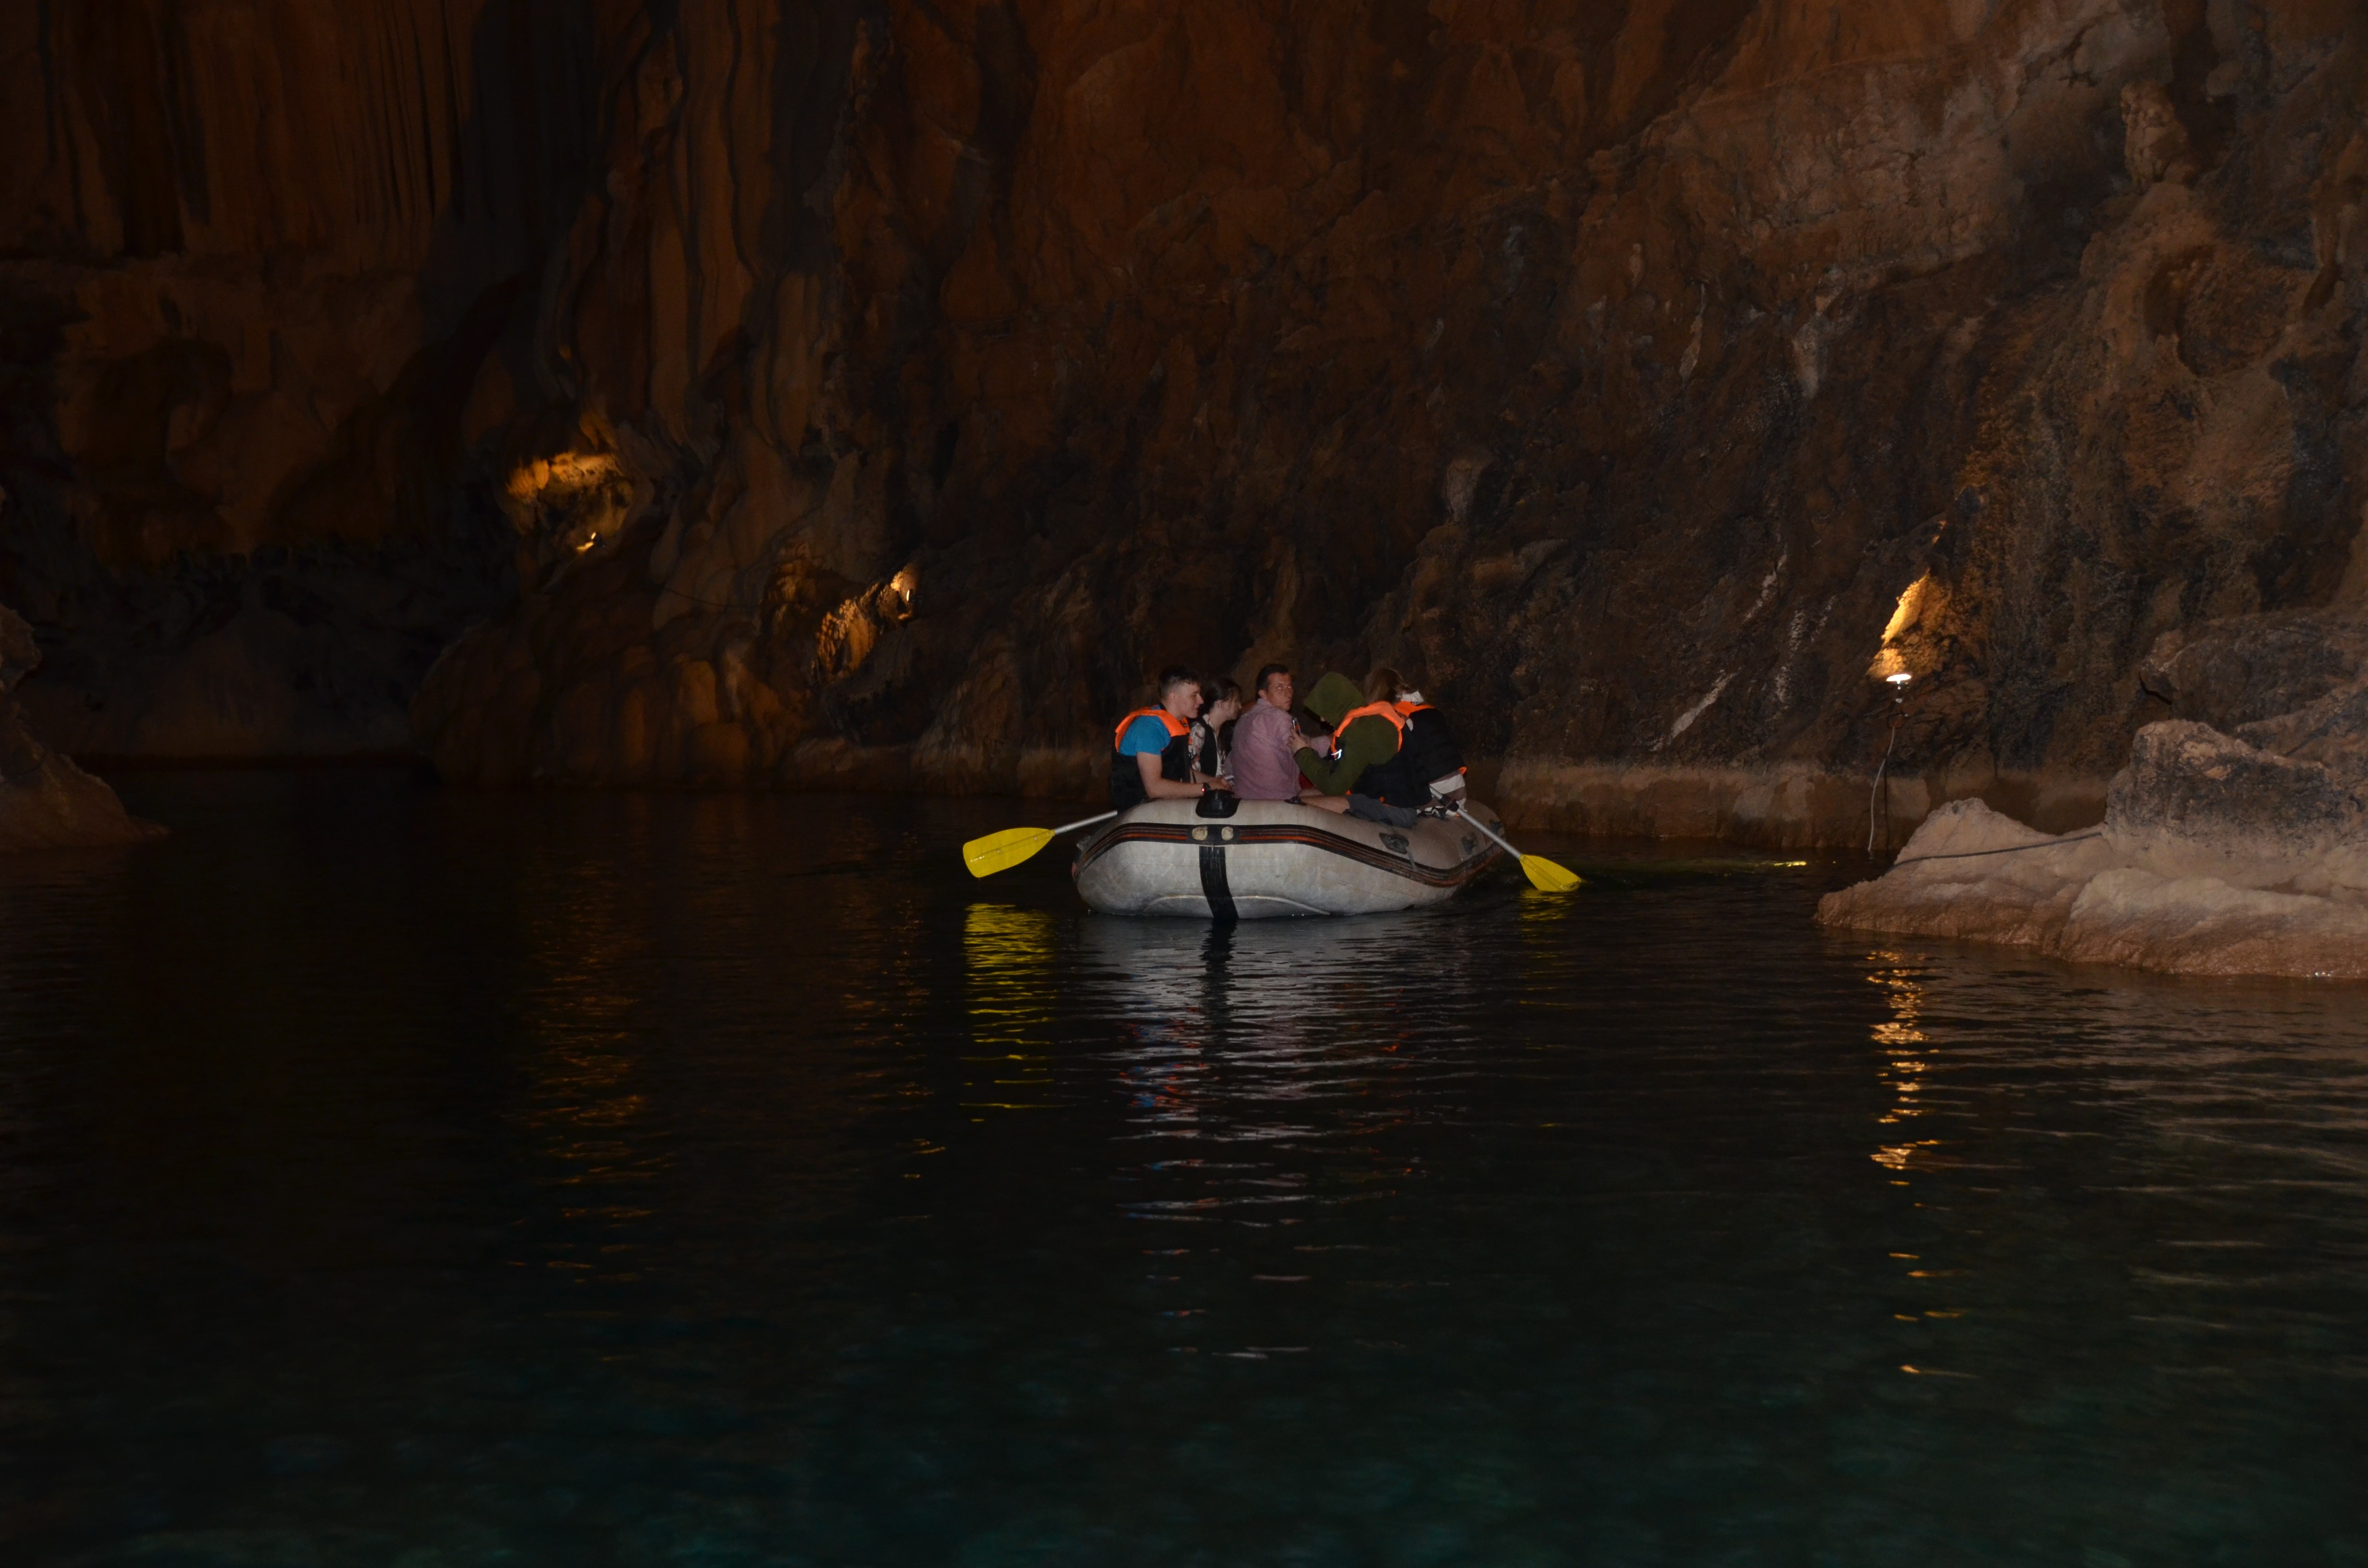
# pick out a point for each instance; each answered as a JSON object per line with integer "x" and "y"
{"x": 1901, "y": 1037}
{"x": 588, "y": 1113}
{"x": 1906, "y": 1054}
{"x": 1546, "y": 982}
{"x": 1008, "y": 957}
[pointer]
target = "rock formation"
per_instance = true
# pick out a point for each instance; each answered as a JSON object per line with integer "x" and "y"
{"x": 46, "y": 803}
{"x": 812, "y": 392}
{"x": 2243, "y": 853}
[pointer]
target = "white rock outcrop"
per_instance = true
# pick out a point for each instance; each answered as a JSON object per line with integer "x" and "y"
{"x": 2216, "y": 857}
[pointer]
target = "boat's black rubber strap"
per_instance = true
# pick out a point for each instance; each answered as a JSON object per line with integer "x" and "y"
{"x": 1214, "y": 886}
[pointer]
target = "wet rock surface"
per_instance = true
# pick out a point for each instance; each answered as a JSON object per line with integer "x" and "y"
{"x": 876, "y": 394}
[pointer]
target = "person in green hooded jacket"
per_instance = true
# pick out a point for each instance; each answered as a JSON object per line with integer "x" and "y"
{"x": 1365, "y": 739}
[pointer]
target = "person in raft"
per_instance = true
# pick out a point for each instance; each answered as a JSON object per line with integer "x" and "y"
{"x": 1151, "y": 755}
{"x": 1211, "y": 737}
{"x": 1429, "y": 748}
{"x": 1264, "y": 768}
{"x": 1387, "y": 750}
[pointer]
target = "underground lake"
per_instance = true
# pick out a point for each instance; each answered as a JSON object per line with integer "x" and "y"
{"x": 395, "y": 1174}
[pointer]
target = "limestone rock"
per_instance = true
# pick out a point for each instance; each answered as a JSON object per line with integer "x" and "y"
{"x": 2239, "y": 670}
{"x": 2332, "y": 732}
{"x": 1969, "y": 873}
{"x": 46, "y": 803}
{"x": 2198, "y": 925}
{"x": 2218, "y": 855}
{"x": 2154, "y": 142}
{"x": 2195, "y": 803}
{"x": 2074, "y": 897}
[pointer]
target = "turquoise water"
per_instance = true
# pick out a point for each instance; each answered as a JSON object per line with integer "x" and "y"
{"x": 398, "y": 1177}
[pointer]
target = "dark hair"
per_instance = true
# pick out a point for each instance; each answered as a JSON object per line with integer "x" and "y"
{"x": 1216, "y": 688}
{"x": 1268, "y": 673}
{"x": 1174, "y": 675}
{"x": 1383, "y": 684}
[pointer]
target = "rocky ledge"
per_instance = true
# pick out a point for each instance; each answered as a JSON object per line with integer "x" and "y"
{"x": 46, "y": 803}
{"x": 2240, "y": 849}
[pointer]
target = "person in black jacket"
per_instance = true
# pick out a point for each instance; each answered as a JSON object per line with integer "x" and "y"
{"x": 1431, "y": 758}
{"x": 1213, "y": 730}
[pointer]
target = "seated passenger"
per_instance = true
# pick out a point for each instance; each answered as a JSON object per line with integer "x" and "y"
{"x": 1151, "y": 754}
{"x": 1365, "y": 776}
{"x": 1264, "y": 768}
{"x": 1432, "y": 758}
{"x": 1210, "y": 732}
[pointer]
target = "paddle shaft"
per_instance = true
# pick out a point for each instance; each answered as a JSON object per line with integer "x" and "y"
{"x": 1492, "y": 832}
{"x": 1089, "y": 821}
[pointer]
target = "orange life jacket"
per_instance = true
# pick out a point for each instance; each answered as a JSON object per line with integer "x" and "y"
{"x": 1173, "y": 725}
{"x": 1175, "y": 763}
{"x": 1383, "y": 710}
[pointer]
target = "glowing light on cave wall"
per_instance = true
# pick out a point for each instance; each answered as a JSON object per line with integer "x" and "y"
{"x": 1918, "y": 596}
{"x": 1910, "y": 609}
{"x": 568, "y": 472}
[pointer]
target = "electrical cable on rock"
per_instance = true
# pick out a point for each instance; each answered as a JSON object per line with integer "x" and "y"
{"x": 2010, "y": 850}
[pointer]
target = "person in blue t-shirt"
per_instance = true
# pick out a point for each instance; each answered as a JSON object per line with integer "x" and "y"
{"x": 1151, "y": 753}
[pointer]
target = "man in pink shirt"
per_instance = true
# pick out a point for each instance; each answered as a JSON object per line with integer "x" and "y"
{"x": 1265, "y": 766}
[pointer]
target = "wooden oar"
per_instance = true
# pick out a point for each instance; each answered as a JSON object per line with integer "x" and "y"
{"x": 1543, "y": 874}
{"x": 1001, "y": 851}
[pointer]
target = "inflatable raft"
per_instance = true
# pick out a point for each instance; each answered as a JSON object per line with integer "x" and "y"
{"x": 1274, "y": 857}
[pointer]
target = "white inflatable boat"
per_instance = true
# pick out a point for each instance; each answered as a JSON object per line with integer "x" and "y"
{"x": 1274, "y": 857}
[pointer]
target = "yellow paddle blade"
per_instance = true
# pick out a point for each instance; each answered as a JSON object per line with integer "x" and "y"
{"x": 1547, "y": 877}
{"x": 1001, "y": 851}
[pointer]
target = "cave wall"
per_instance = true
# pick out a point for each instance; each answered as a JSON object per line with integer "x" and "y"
{"x": 254, "y": 258}
{"x": 811, "y": 393}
